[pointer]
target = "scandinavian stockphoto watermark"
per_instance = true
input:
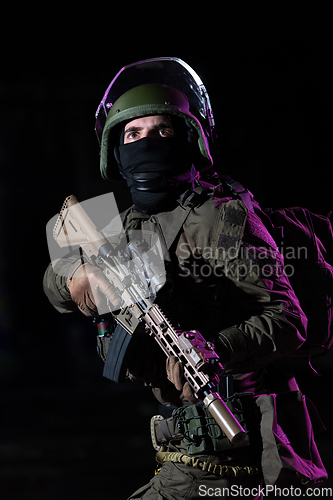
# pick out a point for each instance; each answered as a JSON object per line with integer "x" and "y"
{"x": 261, "y": 261}
{"x": 269, "y": 491}
{"x": 92, "y": 232}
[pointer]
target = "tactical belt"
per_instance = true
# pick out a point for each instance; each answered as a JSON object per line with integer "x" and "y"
{"x": 198, "y": 427}
{"x": 219, "y": 470}
{"x": 162, "y": 430}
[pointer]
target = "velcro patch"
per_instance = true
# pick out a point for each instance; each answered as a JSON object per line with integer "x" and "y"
{"x": 234, "y": 216}
{"x": 229, "y": 244}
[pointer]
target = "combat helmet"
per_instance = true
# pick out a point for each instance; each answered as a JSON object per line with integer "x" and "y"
{"x": 165, "y": 85}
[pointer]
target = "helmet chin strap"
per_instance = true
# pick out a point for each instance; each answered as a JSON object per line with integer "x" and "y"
{"x": 150, "y": 181}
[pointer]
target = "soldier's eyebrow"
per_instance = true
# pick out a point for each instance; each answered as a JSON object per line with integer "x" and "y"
{"x": 156, "y": 127}
{"x": 133, "y": 129}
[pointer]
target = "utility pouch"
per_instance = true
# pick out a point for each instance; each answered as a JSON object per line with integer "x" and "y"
{"x": 105, "y": 326}
{"x": 114, "y": 346}
{"x": 103, "y": 344}
{"x": 202, "y": 433}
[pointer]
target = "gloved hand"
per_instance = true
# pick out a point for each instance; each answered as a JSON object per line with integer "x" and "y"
{"x": 175, "y": 373}
{"x": 90, "y": 290}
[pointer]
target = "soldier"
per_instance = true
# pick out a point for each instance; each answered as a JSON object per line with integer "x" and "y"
{"x": 155, "y": 126}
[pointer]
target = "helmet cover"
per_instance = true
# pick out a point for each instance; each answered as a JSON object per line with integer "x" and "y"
{"x": 165, "y": 86}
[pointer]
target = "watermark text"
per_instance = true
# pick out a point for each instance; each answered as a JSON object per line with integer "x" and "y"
{"x": 240, "y": 491}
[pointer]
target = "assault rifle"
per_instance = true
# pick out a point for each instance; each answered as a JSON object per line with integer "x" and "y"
{"x": 131, "y": 270}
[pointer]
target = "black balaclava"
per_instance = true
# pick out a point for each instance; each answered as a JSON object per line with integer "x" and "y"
{"x": 152, "y": 168}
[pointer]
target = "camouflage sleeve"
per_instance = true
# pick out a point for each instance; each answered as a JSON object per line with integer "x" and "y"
{"x": 54, "y": 283}
{"x": 265, "y": 318}
{"x": 56, "y": 275}
{"x": 276, "y": 330}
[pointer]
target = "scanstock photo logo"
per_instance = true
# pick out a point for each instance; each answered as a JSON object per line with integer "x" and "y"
{"x": 262, "y": 492}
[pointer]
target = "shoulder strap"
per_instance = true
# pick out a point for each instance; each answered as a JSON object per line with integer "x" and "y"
{"x": 252, "y": 205}
{"x": 170, "y": 223}
{"x": 237, "y": 188}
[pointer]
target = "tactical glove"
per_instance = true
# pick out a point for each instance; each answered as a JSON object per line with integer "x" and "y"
{"x": 92, "y": 292}
{"x": 175, "y": 374}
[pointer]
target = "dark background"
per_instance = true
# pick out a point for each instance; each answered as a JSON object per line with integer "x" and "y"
{"x": 65, "y": 432}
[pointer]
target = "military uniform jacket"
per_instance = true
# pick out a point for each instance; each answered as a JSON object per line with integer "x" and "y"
{"x": 229, "y": 281}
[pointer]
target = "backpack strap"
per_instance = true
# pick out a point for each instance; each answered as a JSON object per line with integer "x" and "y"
{"x": 252, "y": 205}
{"x": 238, "y": 189}
{"x": 170, "y": 223}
